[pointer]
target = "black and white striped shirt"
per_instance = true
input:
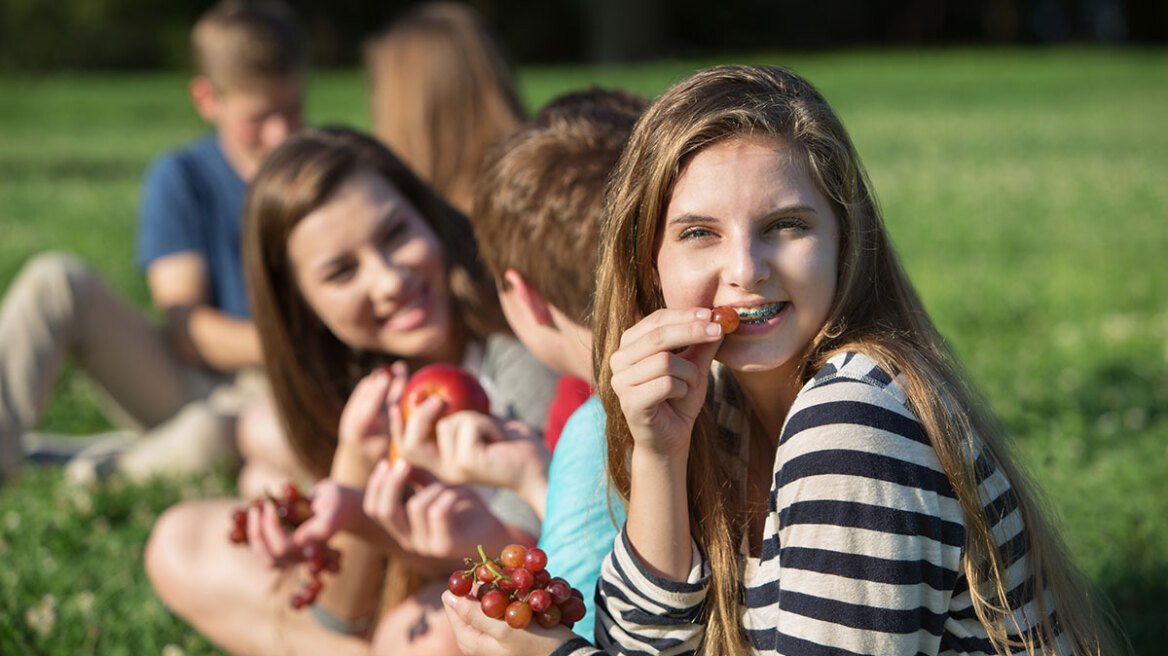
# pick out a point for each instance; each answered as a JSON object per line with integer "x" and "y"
{"x": 863, "y": 542}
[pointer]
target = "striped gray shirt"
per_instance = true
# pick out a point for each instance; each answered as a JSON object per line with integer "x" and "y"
{"x": 862, "y": 548}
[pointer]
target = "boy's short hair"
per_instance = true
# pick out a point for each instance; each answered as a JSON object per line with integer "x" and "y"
{"x": 239, "y": 44}
{"x": 539, "y": 202}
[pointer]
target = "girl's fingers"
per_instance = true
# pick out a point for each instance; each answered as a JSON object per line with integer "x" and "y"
{"x": 266, "y": 535}
{"x": 418, "y": 513}
{"x": 441, "y": 515}
{"x": 666, "y": 337}
{"x": 663, "y": 317}
{"x": 383, "y": 497}
{"x": 364, "y": 412}
{"x": 660, "y": 365}
{"x": 701, "y": 357}
{"x": 420, "y": 427}
{"x": 256, "y": 539}
{"x": 468, "y": 613}
{"x": 399, "y": 374}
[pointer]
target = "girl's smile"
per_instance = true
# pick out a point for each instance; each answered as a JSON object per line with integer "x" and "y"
{"x": 746, "y": 227}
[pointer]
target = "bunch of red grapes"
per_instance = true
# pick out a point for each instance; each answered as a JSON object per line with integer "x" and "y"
{"x": 293, "y": 509}
{"x": 517, "y": 588}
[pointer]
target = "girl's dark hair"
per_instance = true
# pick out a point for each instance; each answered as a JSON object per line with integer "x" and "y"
{"x": 311, "y": 372}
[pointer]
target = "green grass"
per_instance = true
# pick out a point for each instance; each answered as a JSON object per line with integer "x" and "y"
{"x": 1024, "y": 190}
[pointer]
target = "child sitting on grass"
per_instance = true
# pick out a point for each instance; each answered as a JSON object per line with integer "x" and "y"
{"x": 178, "y": 391}
{"x": 359, "y": 274}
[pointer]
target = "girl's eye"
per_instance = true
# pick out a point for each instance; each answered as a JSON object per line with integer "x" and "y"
{"x": 393, "y": 232}
{"x": 341, "y": 273}
{"x": 694, "y": 232}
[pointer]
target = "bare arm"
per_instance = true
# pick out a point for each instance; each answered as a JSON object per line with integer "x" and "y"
{"x": 355, "y": 592}
{"x": 200, "y": 333}
{"x": 659, "y": 373}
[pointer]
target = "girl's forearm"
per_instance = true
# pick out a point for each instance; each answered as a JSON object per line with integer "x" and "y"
{"x": 658, "y": 514}
{"x": 353, "y": 593}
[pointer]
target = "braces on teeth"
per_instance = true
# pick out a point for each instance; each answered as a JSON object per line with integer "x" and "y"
{"x": 763, "y": 313}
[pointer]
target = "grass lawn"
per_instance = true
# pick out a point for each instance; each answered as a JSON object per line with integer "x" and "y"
{"x": 1025, "y": 191}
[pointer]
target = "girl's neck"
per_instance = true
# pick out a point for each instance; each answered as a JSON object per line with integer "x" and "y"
{"x": 452, "y": 351}
{"x": 770, "y": 395}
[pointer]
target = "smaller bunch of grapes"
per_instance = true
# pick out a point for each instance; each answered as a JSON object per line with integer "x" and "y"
{"x": 517, "y": 588}
{"x": 293, "y": 509}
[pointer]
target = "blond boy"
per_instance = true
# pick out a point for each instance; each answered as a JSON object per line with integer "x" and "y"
{"x": 176, "y": 390}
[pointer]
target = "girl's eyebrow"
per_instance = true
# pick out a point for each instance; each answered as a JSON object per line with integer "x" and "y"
{"x": 389, "y": 216}
{"x": 690, "y": 217}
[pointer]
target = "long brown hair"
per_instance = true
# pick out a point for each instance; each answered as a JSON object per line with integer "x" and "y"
{"x": 876, "y": 311}
{"x": 442, "y": 93}
{"x": 311, "y": 371}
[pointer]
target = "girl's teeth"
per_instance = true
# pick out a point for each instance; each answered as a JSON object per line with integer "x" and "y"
{"x": 759, "y": 314}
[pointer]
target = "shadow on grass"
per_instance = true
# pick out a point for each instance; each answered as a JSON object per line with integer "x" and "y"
{"x": 1140, "y": 599}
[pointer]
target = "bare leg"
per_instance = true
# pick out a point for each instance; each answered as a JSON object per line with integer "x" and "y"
{"x": 418, "y": 625}
{"x": 227, "y": 593}
{"x": 268, "y": 459}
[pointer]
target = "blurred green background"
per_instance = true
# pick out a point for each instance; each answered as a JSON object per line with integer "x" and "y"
{"x": 1024, "y": 188}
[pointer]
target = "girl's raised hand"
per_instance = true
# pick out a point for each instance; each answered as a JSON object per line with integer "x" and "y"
{"x": 479, "y": 635}
{"x": 660, "y": 375}
{"x": 365, "y": 422}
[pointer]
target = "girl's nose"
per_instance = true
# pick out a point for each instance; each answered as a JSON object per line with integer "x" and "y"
{"x": 386, "y": 280}
{"x": 747, "y": 265}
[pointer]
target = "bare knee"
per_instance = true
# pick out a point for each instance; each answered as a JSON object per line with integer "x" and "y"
{"x": 258, "y": 432}
{"x": 419, "y": 622}
{"x": 170, "y": 553}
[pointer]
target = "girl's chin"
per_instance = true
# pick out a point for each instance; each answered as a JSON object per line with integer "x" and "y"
{"x": 422, "y": 344}
{"x": 751, "y": 361}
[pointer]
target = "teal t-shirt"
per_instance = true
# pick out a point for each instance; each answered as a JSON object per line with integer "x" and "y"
{"x": 579, "y": 524}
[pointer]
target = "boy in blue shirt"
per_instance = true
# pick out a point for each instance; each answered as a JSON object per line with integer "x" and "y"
{"x": 179, "y": 390}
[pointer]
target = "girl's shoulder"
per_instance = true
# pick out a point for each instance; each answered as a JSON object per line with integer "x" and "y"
{"x": 852, "y": 373}
{"x": 853, "y": 405}
{"x": 851, "y": 391}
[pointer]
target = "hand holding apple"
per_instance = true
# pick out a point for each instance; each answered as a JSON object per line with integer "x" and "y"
{"x": 365, "y": 422}
{"x": 456, "y": 388}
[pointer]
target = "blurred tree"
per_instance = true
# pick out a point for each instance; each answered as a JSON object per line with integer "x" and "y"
{"x": 56, "y": 34}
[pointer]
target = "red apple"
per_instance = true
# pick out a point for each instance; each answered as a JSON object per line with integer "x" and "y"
{"x": 454, "y": 385}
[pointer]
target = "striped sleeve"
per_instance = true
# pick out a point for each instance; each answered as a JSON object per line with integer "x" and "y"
{"x": 869, "y": 529}
{"x": 638, "y": 612}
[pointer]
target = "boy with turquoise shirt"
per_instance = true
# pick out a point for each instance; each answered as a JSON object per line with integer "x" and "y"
{"x": 537, "y": 217}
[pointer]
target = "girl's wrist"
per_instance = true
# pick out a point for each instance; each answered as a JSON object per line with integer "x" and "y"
{"x": 350, "y": 466}
{"x": 657, "y": 462}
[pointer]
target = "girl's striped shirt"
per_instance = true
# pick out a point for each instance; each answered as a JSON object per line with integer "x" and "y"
{"x": 863, "y": 543}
